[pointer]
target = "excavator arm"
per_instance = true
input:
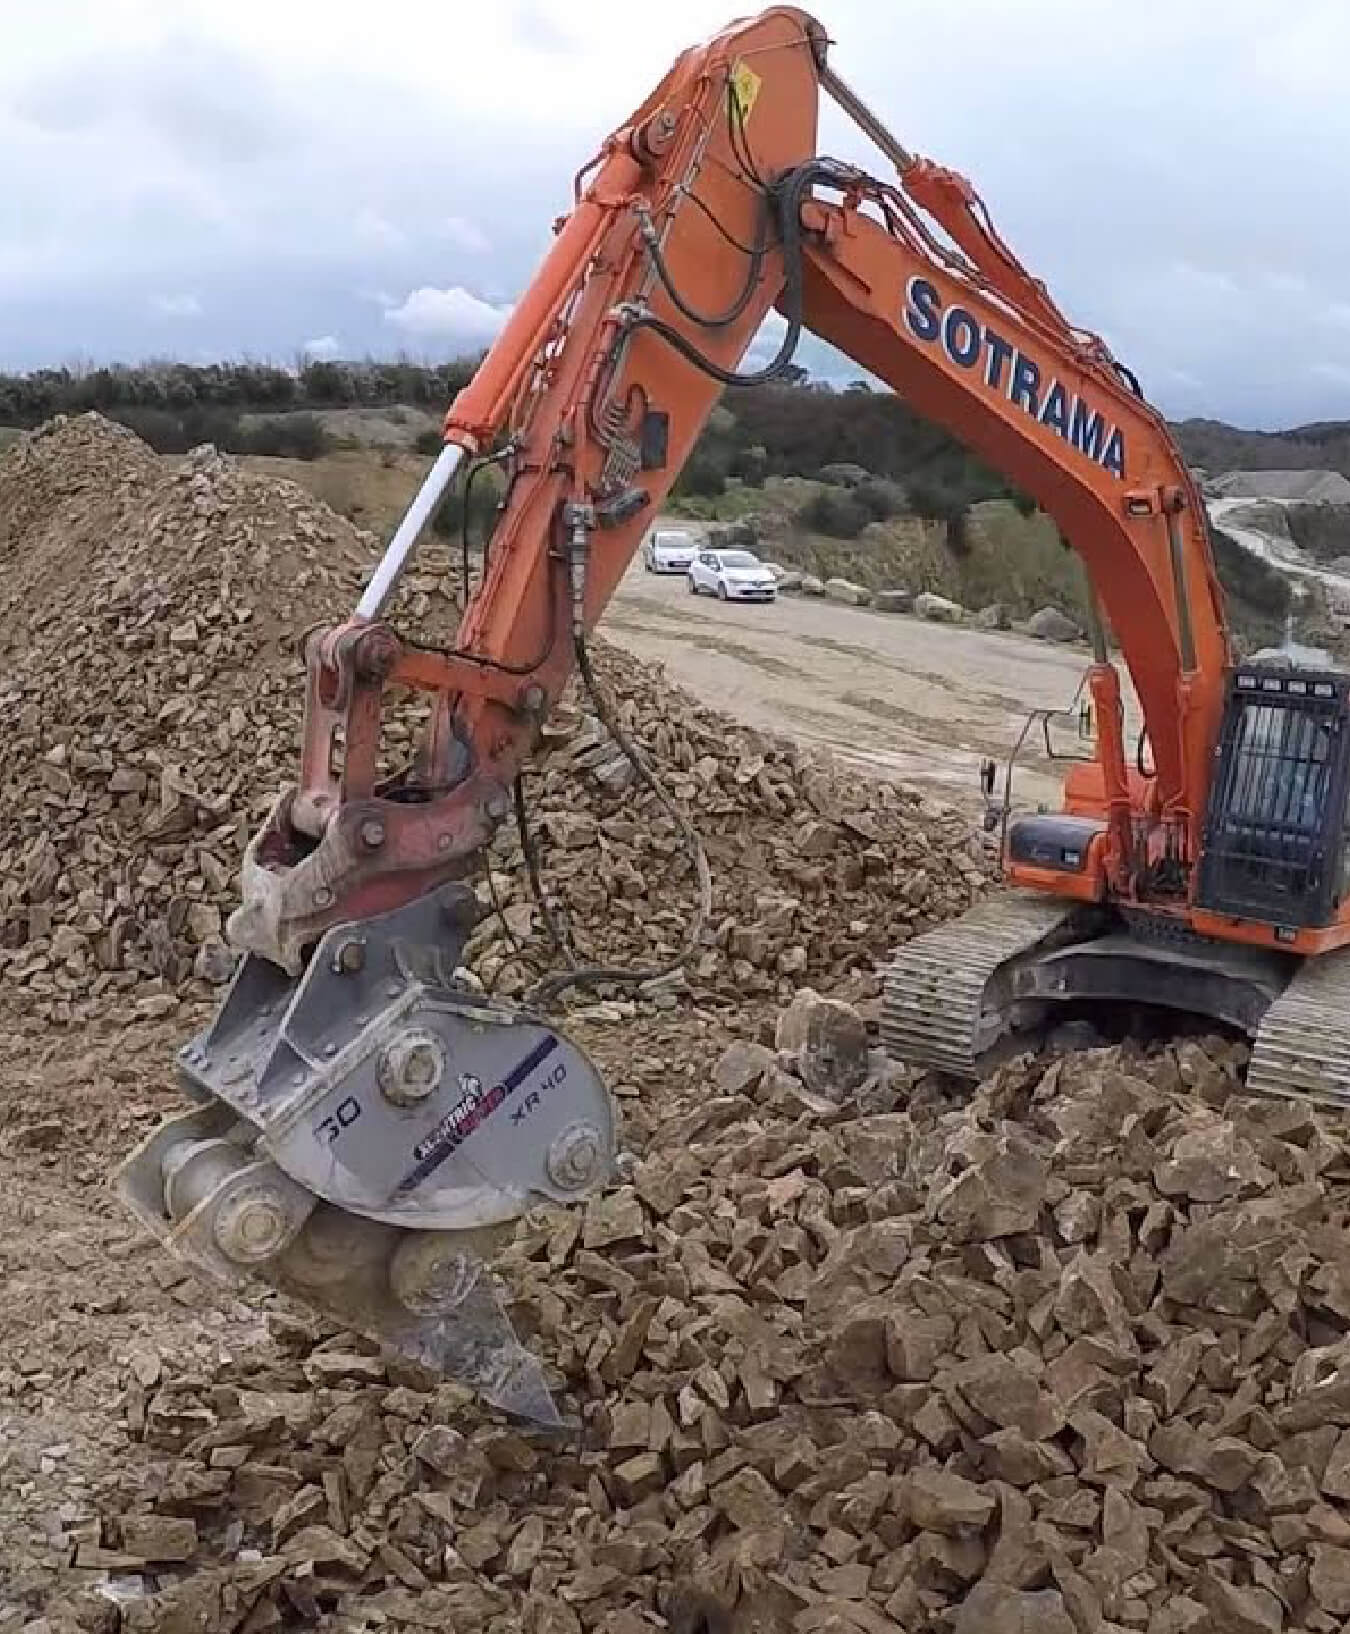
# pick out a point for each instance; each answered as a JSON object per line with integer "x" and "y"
{"x": 364, "y": 1121}
{"x": 707, "y": 208}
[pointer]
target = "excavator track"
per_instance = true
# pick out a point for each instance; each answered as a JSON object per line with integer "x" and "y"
{"x": 947, "y": 1002}
{"x": 1302, "y": 1048}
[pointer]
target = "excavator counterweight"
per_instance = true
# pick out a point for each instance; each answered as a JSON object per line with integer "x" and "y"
{"x": 367, "y": 1124}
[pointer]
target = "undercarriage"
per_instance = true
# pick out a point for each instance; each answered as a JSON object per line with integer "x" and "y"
{"x": 967, "y": 995}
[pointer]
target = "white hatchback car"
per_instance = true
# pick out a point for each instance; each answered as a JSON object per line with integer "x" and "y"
{"x": 731, "y": 575}
{"x": 669, "y": 550}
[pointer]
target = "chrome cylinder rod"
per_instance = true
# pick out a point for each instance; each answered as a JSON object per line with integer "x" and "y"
{"x": 399, "y": 551}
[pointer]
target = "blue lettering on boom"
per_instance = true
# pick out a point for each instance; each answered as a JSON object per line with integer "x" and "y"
{"x": 923, "y": 309}
{"x": 1011, "y": 372}
{"x": 1087, "y": 430}
{"x": 962, "y": 337}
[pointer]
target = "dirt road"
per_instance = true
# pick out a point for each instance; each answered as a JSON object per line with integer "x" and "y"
{"x": 898, "y": 696}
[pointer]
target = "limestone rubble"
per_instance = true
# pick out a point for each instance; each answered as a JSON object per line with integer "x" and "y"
{"x": 845, "y": 1350}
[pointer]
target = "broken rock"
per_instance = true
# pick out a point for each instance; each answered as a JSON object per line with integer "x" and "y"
{"x": 993, "y": 1608}
{"x": 828, "y": 1041}
{"x": 939, "y": 1500}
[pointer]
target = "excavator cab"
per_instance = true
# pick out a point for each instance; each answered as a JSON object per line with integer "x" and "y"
{"x": 1275, "y": 848}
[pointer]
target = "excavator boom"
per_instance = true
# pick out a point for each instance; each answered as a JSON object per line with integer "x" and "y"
{"x": 366, "y": 1123}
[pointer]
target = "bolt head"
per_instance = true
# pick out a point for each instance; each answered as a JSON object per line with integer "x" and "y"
{"x": 575, "y": 1157}
{"x": 411, "y": 1067}
{"x": 323, "y": 897}
{"x": 372, "y": 833}
{"x": 253, "y": 1226}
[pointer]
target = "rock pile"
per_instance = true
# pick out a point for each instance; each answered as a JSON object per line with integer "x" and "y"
{"x": 149, "y": 620}
{"x": 1072, "y": 1356}
{"x": 845, "y": 1355}
{"x": 148, "y": 617}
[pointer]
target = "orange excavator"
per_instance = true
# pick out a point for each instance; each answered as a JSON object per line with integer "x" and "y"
{"x": 366, "y": 1123}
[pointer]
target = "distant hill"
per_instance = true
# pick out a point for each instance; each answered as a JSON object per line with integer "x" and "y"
{"x": 1214, "y": 446}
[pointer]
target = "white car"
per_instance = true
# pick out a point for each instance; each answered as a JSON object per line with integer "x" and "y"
{"x": 669, "y": 550}
{"x": 731, "y": 575}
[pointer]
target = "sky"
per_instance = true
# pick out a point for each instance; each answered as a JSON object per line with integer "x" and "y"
{"x": 266, "y": 178}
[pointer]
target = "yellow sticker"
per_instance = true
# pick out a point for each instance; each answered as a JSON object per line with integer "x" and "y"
{"x": 745, "y": 84}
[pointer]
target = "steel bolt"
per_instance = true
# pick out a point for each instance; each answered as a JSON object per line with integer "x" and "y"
{"x": 372, "y": 833}
{"x": 323, "y": 897}
{"x": 252, "y": 1226}
{"x": 574, "y": 1157}
{"x": 411, "y": 1068}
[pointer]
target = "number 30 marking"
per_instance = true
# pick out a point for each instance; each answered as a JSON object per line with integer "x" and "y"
{"x": 342, "y": 1117}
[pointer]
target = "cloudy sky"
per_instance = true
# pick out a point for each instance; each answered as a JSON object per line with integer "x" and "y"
{"x": 205, "y": 179}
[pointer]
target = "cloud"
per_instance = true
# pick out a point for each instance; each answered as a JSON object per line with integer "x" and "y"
{"x": 177, "y": 306}
{"x": 204, "y": 99}
{"x": 464, "y": 235}
{"x": 447, "y": 314}
{"x": 372, "y": 229}
{"x": 258, "y": 156}
{"x": 322, "y": 348}
{"x": 535, "y": 25}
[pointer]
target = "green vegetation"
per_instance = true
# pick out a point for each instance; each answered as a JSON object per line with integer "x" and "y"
{"x": 849, "y": 482}
{"x": 482, "y": 501}
{"x": 27, "y": 400}
{"x": 1258, "y": 595}
{"x": 1322, "y": 530}
{"x": 174, "y": 431}
{"x": 848, "y": 440}
{"x": 175, "y": 406}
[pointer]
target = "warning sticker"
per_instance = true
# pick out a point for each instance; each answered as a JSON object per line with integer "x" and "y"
{"x": 745, "y": 84}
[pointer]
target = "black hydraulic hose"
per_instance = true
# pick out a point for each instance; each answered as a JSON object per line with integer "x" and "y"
{"x": 1130, "y": 378}
{"x": 720, "y": 320}
{"x": 787, "y": 196}
{"x": 557, "y": 931}
{"x": 592, "y": 975}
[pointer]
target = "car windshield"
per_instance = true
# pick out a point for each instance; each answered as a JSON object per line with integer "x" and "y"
{"x": 739, "y": 558}
{"x": 674, "y": 541}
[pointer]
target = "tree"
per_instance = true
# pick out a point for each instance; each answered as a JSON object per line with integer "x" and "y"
{"x": 836, "y": 512}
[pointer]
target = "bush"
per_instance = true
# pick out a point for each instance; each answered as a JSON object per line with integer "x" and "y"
{"x": 752, "y": 465}
{"x": 836, "y": 512}
{"x": 484, "y": 498}
{"x": 429, "y": 442}
{"x": 1247, "y": 579}
{"x": 881, "y": 498}
{"x": 703, "y": 476}
{"x": 285, "y": 436}
{"x": 170, "y": 431}
{"x": 1321, "y": 530}
{"x": 25, "y": 400}
{"x": 742, "y": 535}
